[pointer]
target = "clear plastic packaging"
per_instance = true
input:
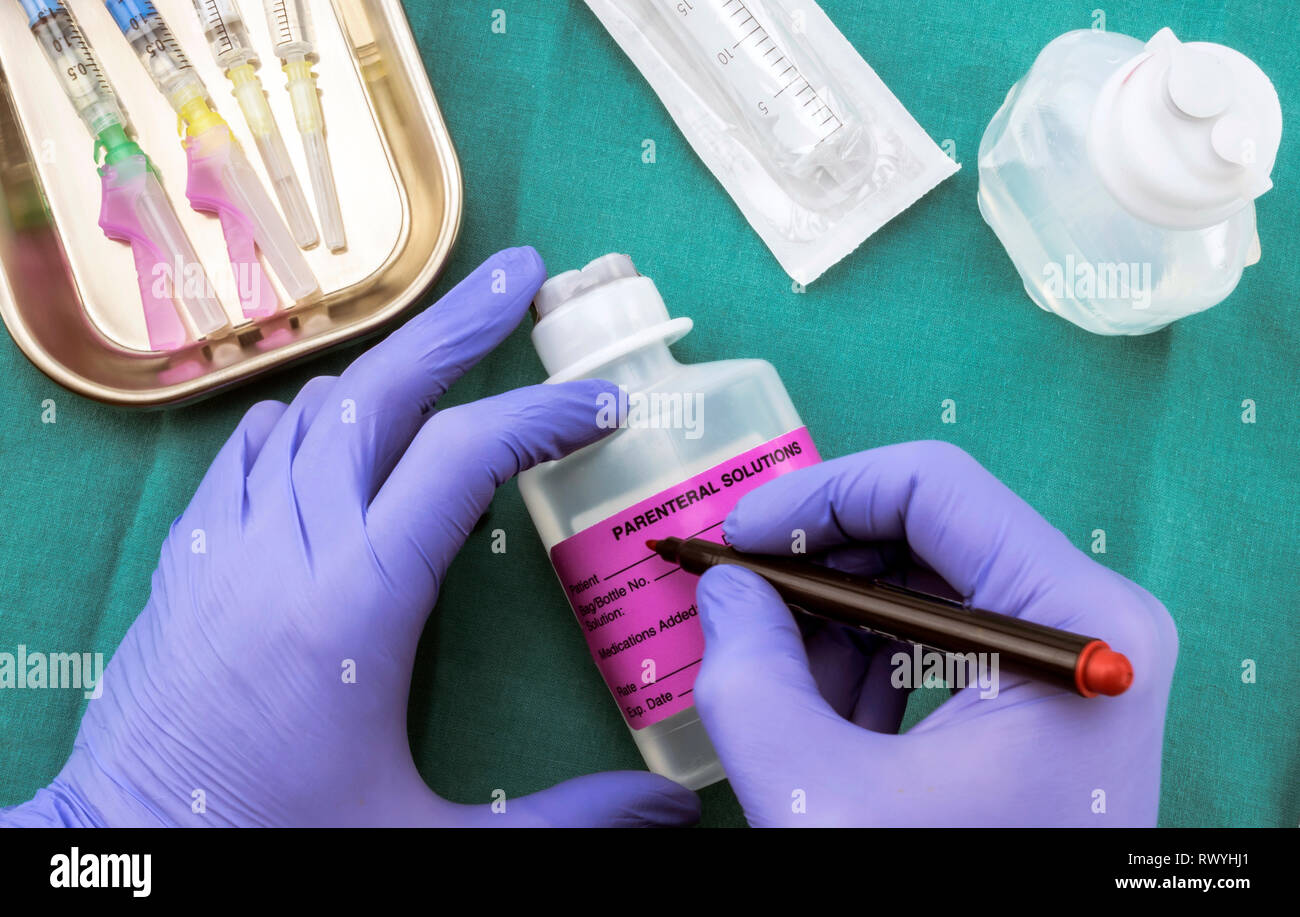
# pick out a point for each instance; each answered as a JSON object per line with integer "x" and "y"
{"x": 813, "y": 147}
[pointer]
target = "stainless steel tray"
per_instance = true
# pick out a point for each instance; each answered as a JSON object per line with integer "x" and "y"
{"x": 68, "y": 294}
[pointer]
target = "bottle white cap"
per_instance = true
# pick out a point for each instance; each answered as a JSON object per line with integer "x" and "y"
{"x": 586, "y": 318}
{"x": 1185, "y": 135}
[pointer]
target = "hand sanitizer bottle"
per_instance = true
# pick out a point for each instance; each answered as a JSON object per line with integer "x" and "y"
{"x": 691, "y": 440}
{"x": 1121, "y": 177}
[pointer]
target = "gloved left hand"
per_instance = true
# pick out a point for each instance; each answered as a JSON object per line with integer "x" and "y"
{"x": 266, "y": 680}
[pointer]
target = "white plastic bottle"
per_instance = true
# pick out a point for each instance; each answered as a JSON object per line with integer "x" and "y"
{"x": 692, "y": 440}
{"x": 1120, "y": 177}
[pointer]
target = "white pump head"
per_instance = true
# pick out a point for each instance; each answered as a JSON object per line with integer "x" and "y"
{"x": 1185, "y": 135}
{"x": 588, "y": 317}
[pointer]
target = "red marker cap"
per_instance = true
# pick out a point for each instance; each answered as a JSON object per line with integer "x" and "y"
{"x": 1101, "y": 670}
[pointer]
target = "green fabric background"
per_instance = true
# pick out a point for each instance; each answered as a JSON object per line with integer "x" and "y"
{"x": 1140, "y": 437}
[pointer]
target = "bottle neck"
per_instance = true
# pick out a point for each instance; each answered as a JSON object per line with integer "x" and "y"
{"x": 639, "y": 369}
{"x": 605, "y": 321}
{"x": 1183, "y": 136}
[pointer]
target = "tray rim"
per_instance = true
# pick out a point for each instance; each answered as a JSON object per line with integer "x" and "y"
{"x": 182, "y": 393}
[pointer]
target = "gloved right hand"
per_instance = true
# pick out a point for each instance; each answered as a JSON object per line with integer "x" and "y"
{"x": 804, "y": 716}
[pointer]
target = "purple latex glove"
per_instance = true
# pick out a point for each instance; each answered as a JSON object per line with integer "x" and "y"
{"x": 327, "y": 526}
{"x": 804, "y": 715}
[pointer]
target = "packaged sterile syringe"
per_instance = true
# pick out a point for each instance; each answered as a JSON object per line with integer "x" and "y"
{"x": 806, "y": 138}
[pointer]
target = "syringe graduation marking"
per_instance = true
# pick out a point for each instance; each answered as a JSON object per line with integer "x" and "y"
{"x": 68, "y": 32}
{"x": 764, "y": 38}
{"x": 281, "y": 13}
{"x": 166, "y": 41}
{"x": 218, "y": 25}
{"x": 76, "y": 67}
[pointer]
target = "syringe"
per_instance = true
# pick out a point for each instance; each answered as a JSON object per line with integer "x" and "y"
{"x": 290, "y": 27}
{"x": 133, "y": 206}
{"x": 224, "y": 29}
{"x": 220, "y": 179}
{"x": 763, "y": 70}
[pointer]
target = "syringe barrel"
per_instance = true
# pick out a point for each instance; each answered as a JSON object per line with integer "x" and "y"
{"x": 74, "y": 63}
{"x": 771, "y": 79}
{"x": 224, "y": 29}
{"x": 758, "y": 65}
{"x": 289, "y": 22}
{"x": 159, "y": 51}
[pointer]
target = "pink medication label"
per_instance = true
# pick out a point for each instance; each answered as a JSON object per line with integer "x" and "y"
{"x": 636, "y": 609}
